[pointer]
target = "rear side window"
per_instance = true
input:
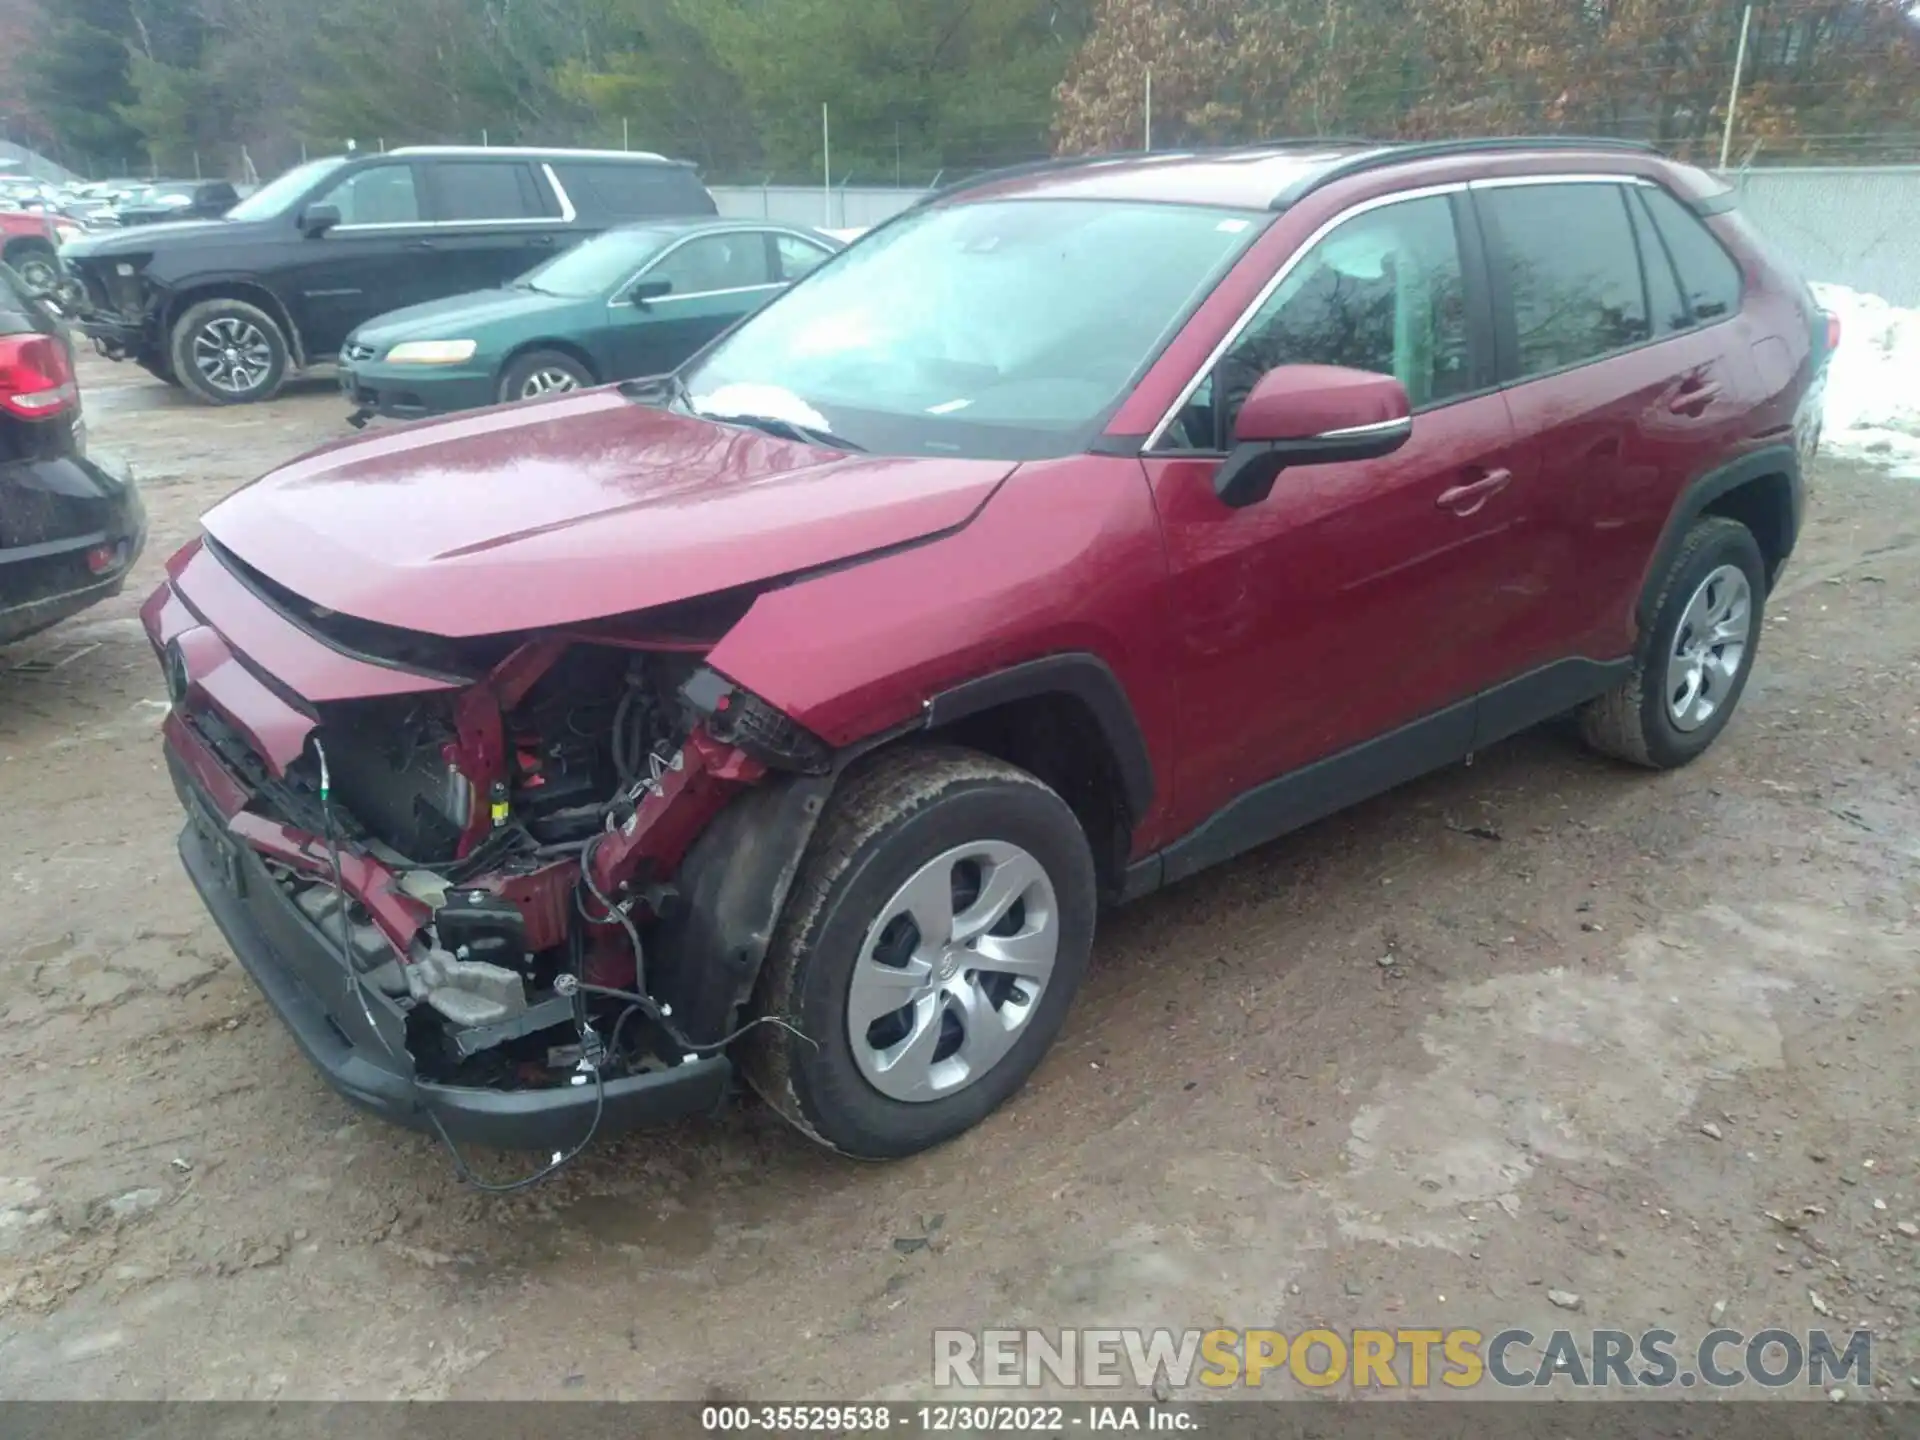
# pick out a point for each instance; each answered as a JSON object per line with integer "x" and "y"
{"x": 629, "y": 190}
{"x": 1708, "y": 274}
{"x": 1572, "y": 276}
{"x": 485, "y": 190}
{"x": 1663, "y": 291}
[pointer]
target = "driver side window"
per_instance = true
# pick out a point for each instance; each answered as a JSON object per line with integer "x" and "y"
{"x": 380, "y": 195}
{"x": 1382, "y": 292}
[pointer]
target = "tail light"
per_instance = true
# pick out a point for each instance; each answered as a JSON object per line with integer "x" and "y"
{"x": 1833, "y": 330}
{"x": 36, "y": 377}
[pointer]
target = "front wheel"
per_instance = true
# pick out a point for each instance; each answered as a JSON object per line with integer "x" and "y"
{"x": 935, "y": 936}
{"x": 540, "y": 373}
{"x": 1694, "y": 664}
{"x": 228, "y": 352}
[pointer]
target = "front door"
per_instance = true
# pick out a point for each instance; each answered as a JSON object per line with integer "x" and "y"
{"x": 711, "y": 281}
{"x": 1358, "y": 597}
{"x": 378, "y": 258}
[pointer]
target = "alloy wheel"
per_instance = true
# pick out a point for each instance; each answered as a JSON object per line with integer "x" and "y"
{"x": 1709, "y": 647}
{"x": 549, "y": 380}
{"x": 952, "y": 971}
{"x": 233, "y": 355}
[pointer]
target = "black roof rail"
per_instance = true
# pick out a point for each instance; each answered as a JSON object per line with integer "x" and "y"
{"x": 1397, "y": 154}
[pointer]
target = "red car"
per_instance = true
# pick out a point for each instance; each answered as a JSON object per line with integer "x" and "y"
{"x": 1087, "y": 525}
{"x": 30, "y": 246}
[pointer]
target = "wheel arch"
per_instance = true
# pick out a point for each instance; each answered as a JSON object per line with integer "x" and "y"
{"x": 247, "y": 292}
{"x": 1763, "y": 490}
{"x": 1067, "y": 720}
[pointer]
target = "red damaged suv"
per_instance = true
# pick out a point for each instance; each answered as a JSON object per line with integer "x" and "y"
{"x": 1087, "y": 525}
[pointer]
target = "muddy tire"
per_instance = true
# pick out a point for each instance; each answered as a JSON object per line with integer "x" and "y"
{"x": 931, "y": 870}
{"x": 1694, "y": 662}
{"x": 228, "y": 352}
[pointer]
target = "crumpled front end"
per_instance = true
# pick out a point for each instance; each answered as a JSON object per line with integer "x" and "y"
{"x": 456, "y": 868}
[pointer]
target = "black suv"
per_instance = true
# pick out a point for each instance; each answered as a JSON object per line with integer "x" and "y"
{"x": 69, "y": 531}
{"x": 229, "y": 307}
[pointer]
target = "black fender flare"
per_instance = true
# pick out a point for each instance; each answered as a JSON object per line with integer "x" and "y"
{"x": 1086, "y": 678}
{"x": 182, "y": 295}
{"x": 1700, "y": 494}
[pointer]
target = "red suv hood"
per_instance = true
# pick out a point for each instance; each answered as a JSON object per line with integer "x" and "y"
{"x": 574, "y": 509}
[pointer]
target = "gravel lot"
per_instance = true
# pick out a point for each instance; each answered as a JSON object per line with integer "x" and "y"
{"x": 1539, "y": 1023}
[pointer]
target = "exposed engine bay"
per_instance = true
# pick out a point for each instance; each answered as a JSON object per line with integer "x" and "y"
{"x": 536, "y": 876}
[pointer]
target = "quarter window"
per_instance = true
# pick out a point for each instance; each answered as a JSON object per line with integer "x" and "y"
{"x": 380, "y": 195}
{"x": 1707, "y": 273}
{"x": 1382, "y": 292}
{"x": 1566, "y": 255}
{"x": 734, "y": 261}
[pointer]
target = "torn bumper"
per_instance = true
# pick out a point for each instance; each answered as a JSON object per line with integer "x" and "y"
{"x": 361, "y": 1051}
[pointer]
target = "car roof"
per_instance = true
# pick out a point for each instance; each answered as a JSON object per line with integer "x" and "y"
{"x": 533, "y": 152}
{"x": 1267, "y": 176}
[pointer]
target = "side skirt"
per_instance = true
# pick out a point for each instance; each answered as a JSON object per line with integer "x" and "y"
{"x": 1316, "y": 791}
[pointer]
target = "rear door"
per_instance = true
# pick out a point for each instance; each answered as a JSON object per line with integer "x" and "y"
{"x": 493, "y": 220}
{"x": 378, "y": 258}
{"x": 713, "y": 279}
{"x": 1620, "y": 387}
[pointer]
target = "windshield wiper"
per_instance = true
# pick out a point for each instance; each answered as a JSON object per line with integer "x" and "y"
{"x": 788, "y": 429}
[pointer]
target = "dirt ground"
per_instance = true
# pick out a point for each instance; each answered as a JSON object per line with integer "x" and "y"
{"x": 1535, "y": 1023}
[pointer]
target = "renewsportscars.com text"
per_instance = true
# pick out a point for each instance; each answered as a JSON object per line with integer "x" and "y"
{"x": 1403, "y": 1358}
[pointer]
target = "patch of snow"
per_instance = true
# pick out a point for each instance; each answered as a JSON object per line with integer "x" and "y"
{"x": 1873, "y": 381}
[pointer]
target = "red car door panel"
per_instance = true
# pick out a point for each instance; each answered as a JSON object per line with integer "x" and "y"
{"x": 1345, "y": 604}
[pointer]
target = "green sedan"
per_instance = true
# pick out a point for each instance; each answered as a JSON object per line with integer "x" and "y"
{"x": 634, "y": 301}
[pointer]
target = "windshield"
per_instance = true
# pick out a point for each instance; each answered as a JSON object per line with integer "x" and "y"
{"x": 273, "y": 199}
{"x": 594, "y": 268}
{"x": 1006, "y": 329}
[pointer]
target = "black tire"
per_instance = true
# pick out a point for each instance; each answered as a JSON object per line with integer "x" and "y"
{"x": 1633, "y": 721}
{"x": 255, "y": 336}
{"x": 38, "y": 267}
{"x": 524, "y": 370}
{"x": 889, "y": 818}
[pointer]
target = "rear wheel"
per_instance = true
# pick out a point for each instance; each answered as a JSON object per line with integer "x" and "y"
{"x": 229, "y": 352}
{"x": 1697, "y": 655}
{"x": 540, "y": 373}
{"x": 936, "y": 934}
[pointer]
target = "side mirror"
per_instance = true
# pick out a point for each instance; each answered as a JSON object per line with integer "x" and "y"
{"x": 317, "y": 220}
{"x": 1311, "y": 415}
{"x": 641, "y": 291}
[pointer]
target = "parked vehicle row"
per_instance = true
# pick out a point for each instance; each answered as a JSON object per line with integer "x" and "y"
{"x": 231, "y": 307}
{"x": 792, "y": 715}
